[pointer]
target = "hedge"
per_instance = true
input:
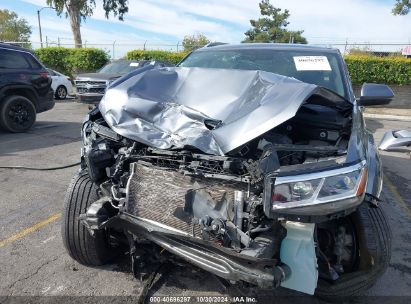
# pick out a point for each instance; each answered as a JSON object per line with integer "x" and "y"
{"x": 167, "y": 56}
{"x": 55, "y": 58}
{"x": 70, "y": 61}
{"x": 362, "y": 68}
{"x": 87, "y": 59}
{"x": 388, "y": 70}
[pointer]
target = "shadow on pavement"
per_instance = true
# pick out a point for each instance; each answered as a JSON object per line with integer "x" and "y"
{"x": 42, "y": 135}
{"x": 373, "y": 125}
{"x": 397, "y": 169}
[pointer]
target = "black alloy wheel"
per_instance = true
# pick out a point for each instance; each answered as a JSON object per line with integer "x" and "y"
{"x": 17, "y": 114}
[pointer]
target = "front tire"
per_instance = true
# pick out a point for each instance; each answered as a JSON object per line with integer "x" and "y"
{"x": 87, "y": 249}
{"x": 17, "y": 114}
{"x": 374, "y": 241}
{"x": 61, "y": 92}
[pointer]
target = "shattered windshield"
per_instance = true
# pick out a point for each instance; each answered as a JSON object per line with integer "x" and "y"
{"x": 315, "y": 67}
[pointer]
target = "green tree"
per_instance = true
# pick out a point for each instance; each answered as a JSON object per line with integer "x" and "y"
{"x": 13, "y": 28}
{"x": 272, "y": 26}
{"x": 192, "y": 42}
{"x": 402, "y": 7}
{"x": 79, "y": 10}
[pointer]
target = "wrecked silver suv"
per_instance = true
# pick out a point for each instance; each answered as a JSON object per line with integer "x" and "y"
{"x": 251, "y": 162}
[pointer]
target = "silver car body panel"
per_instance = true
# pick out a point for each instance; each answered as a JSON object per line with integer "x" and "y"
{"x": 169, "y": 108}
{"x": 395, "y": 139}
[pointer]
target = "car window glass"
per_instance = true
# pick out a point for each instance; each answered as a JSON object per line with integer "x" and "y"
{"x": 13, "y": 60}
{"x": 274, "y": 61}
{"x": 33, "y": 62}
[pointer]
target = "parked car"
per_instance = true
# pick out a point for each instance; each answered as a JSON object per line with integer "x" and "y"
{"x": 61, "y": 84}
{"x": 25, "y": 88}
{"x": 251, "y": 161}
{"x": 90, "y": 87}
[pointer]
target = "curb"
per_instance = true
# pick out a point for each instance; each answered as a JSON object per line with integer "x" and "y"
{"x": 387, "y": 116}
{"x": 388, "y": 113}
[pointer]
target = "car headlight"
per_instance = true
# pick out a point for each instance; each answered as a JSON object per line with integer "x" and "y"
{"x": 317, "y": 193}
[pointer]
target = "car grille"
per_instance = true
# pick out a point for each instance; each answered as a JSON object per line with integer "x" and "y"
{"x": 91, "y": 90}
{"x": 87, "y": 86}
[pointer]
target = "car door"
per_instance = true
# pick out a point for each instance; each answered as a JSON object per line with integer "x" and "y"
{"x": 39, "y": 76}
{"x": 55, "y": 81}
{"x": 66, "y": 82}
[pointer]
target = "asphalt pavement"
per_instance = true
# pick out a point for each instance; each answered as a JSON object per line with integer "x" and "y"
{"x": 33, "y": 261}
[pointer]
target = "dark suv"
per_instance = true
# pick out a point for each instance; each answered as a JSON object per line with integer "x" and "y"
{"x": 25, "y": 88}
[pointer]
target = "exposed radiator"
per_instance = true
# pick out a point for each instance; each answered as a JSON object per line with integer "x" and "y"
{"x": 161, "y": 195}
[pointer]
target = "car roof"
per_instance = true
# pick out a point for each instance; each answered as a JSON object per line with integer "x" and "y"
{"x": 133, "y": 60}
{"x": 15, "y": 47}
{"x": 143, "y": 62}
{"x": 125, "y": 60}
{"x": 272, "y": 46}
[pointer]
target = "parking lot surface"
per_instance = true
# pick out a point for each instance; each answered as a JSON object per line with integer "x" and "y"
{"x": 33, "y": 261}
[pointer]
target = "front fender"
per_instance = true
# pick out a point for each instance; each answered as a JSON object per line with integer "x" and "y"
{"x": 375, "y": 174}
{"x": 362, "y": 147}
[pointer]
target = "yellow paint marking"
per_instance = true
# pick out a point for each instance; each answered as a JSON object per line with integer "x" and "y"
{"x": 31, "y": 229}
{"x": 397, "y": 195}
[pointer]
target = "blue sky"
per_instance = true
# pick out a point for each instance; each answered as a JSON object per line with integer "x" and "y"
{"x": 162, "y": 23}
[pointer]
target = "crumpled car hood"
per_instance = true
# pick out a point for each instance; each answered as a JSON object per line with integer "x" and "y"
{"x": 175, "y": 107}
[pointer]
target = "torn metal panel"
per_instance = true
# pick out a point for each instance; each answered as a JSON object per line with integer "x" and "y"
{"x": 214, "y": 110}
{"x": 395, "y": 139}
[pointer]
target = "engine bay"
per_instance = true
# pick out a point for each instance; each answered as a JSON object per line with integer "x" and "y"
{"x": 216, "y": 198}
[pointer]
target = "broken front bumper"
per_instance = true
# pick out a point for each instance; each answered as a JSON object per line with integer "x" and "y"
{"x": 225, "y": 263}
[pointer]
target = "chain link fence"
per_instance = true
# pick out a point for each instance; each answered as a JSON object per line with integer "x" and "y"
{"x": 376, "y": 49}
{"x": 118, "y": 49}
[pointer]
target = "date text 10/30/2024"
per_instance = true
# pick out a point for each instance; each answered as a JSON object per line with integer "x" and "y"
{"x": 202, "y": 299}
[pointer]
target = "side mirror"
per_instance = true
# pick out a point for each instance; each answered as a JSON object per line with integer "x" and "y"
{"x": 375, "y": 94}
